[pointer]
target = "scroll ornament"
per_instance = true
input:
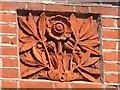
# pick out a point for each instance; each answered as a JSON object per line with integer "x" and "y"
{"x": 55, "y": 48}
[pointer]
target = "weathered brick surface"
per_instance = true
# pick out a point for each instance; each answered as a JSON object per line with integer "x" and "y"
{"x": 8, "y": 73}
{"x": 10, "y": 62}
{"x": 12, "y": 5}
{"x": 59, "y": 8}
{"x": 9, "y": 84}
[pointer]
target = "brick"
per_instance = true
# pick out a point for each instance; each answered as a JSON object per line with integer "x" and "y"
{"x": 10, "y": 62}
{"x": 85, "y": 85}
{"x": 118, "y": 22}
{"x": 107, "y": 22}
{"x": 105, "y": 10}
{"x": 12, "y": 5}
{"x": 35, "y": 6}
{"x": 111, "y": 56}
{"x": 110, "y": 33}
{"x": 8, "y": 39}
{"x": 9, "y": 84}
{"x": 109, "y": 45}
{"x": 8, "y": 28}
{"x": 111, "y": 67}
{"x": 8, "y": 73}
{"x": 112, "y": 78}
{"x": 8, "y": 17}
{"x": 119, "y": 46}
{"x": 30, "y": 84}
{"x": 60, "y": 85}
{"x": 82, "y": 9}
{"x": 8, "y": 50}
{"x": 59, "y": 8}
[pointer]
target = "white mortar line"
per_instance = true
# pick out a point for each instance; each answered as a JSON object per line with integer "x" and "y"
{"x": 1, "y": 58}
{"x": 7, "y": 45}
{"x": 18, "y": 82}
{"x": 110, "y": 16}
{"x": 8, "y": 34}
{"x": 110, "y": 28}
{"x": 13, "y": 12}
{"x": 111, "y": 39}
{"x": 11, "y": 23}
{"x": 110, "y": 72}
{"x": 9, "y": 79}
{"x": 14, "y": 68}
{"x": 118, "y": 62}
{"x": 112, "y": 83}
{"x": 110, "y": 50}
{"x": 8, "y": 56}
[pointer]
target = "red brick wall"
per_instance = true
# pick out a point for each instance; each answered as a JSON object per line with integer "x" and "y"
{"x": 9, "y": 56}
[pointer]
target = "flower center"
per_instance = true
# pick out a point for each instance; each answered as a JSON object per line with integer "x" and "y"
{"x": 59, "y": 27}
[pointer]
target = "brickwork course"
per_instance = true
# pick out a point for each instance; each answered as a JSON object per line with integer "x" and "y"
{"x": 9, "y": 43}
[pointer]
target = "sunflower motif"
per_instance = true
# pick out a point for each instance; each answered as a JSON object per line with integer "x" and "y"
{"x": 55, "y": 48}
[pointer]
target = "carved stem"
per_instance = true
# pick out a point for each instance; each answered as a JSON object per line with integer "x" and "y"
{"x": 59, "y": 47}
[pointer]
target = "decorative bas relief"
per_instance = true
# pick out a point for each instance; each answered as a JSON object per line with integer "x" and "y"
{"x": 55, "y": 48}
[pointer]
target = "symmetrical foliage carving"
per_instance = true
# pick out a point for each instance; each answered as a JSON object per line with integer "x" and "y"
{"x": 55, "y": 48}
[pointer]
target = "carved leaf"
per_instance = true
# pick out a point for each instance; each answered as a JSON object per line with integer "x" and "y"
{"x": 87, "y": 76}
{"x": 95, "y": 36}
{"x": 74, "y": 23}
{"x": 93, "y": 51}
{"x": 91, "y": 70}
{"x": 24, "y": 24}
{"x": 32, "y": 24}
{"x": 92, "y": 42}
{"x": 85, "y": 57}
{"x": 42, "y": 25}
{"x": 90, "y": 32}
{"x": 37, "y": 54}
{"x": 27, "y": 46}
{"x": 27, "y": 39}
{"x": 29, "y": 61}
{"x": 32, "y": 71}
{"x": 91, "y": 61}
{"x": 85, "y": 27}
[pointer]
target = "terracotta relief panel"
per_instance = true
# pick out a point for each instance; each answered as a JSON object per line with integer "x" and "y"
{"x": 59, "y": 47}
